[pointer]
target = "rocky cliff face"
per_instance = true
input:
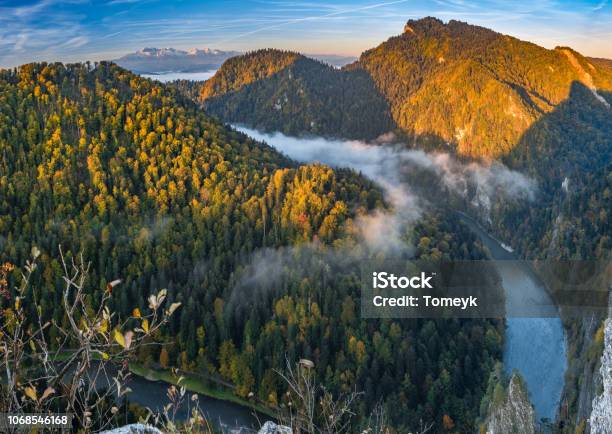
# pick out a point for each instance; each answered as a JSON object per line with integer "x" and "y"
{"x": 511, "y": 411}
{"x": 601, "y": 416}
{"x": 271, "y": 428}
{"x": 138, "y": 428}
{"x": 135, "y": 428}
{"x": 586, "y": 386}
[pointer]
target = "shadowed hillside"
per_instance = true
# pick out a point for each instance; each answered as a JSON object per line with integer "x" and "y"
{"x": 568, "y": 151}
{"x": 284, "y": 91}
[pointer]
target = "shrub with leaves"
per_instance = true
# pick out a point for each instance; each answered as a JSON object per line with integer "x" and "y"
{"x": 92, "y": 348}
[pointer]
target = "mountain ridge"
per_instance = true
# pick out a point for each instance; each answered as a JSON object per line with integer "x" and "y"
{"x": 289, "y": 92}
{"x": 473, "y": 87}
{"x": 467, "y": 86}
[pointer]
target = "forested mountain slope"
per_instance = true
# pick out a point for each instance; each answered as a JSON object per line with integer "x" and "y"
{"x": 605, "y": 63}
{"x": 285, "y": 91}
{"x": 569, "y": 152}
{"x": 240, "y": 71}
{"x": 153, "y": 191}
{"x": 488, "y": 95}
{"x": 455, "y": 83}
{"x": 471, "y": 86}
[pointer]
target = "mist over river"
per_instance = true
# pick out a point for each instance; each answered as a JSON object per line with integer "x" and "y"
{"x": 536, "y": 346}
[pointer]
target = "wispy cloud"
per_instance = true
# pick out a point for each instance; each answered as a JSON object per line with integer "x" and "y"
{"x": 123, "y": 2}
{"x": 73, "y": 30}
{"x": 601, "y": 5}
{"x": 316, "y": 18}
{"x": 41, "y": 29}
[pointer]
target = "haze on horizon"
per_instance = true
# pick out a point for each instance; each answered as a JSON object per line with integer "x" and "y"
{"x": 78, "y": 30}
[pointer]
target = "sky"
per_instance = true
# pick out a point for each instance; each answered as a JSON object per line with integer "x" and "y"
{"x": 78, "y": 30}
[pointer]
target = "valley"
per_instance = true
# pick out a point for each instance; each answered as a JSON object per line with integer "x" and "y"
{"x": 538, "y": 331}
{"x": 215, "y": 208}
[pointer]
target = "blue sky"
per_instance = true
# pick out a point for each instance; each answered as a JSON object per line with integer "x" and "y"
{"x": 74, "y": 30}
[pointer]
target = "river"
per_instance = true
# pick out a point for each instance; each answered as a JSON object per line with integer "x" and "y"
{"x": 231, "y": 417}
{"x": 535, "y": 342}
{"x": 534, "y": 346}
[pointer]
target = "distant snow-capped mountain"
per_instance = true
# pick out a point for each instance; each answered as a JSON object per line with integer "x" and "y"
{"x": 333, "y": 59}
{"x": 156, "y": 60}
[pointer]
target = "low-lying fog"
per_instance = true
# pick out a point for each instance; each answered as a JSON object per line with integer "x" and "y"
{"x": 386, "y": 164}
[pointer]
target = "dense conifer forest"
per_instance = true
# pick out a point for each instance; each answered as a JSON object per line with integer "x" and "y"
{"x": 284, "y": 91}
{"x": 153, "y": 191}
